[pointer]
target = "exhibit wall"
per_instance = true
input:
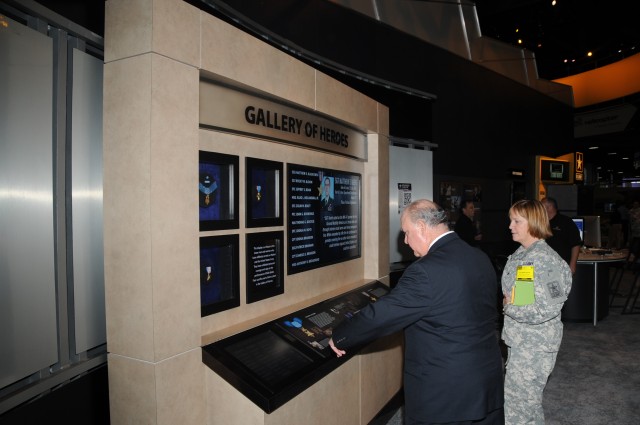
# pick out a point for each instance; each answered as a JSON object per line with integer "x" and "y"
{"x": 156, "y": 55}
{"x": 410, "y": 179}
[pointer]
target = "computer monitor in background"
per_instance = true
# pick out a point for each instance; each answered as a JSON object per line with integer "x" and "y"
{"x": 579, "y": 221}
{"x": 592, "y": 236}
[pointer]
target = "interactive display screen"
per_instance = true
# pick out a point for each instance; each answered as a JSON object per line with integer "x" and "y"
{"x": 274, "y": 362}
{"x": 313, "y": 326}
{"x": 324, "y": 220}
{"x": 579, "y": 221}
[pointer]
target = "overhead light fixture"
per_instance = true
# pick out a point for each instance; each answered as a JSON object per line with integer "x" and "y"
{"x": 593, "y": 147}
{"x": 553, "y": 3}
{"x": 612, "y": 153}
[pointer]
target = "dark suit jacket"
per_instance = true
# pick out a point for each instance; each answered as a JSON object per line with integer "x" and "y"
{"x": 446, "y": 304}
{"x": 466, "y": 230}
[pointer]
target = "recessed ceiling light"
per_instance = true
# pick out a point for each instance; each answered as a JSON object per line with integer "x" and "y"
{"x": 612, "y": 153}
{"x": 593, "y": 147}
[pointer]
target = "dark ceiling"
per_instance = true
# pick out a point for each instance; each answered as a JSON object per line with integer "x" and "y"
{"x": 568, "y": 30}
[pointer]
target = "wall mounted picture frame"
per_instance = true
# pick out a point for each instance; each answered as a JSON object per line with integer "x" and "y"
{"x": 218, "y": 182}
{"x": 263, "y": 193}
{"x": 265, "y": 265}
{"x": 219, "y": 274}
{"x": 450, "y": 196}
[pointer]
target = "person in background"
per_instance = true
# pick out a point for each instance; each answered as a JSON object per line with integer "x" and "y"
{"x": 532, "y": 327}
{"x": 465, "y": 228}
{"x": 565, "y": 238}
{"x": 445, "y": 304}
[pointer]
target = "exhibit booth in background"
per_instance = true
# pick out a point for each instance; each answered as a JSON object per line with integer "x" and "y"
{"x": 217, "y": 149}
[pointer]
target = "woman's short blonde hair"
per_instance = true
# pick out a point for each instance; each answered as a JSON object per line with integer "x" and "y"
{"x": 535, "y": 214}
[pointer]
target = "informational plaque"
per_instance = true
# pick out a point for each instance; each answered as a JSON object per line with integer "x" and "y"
{"x": 264, "y": 265}
{"x": 324, "y": 224}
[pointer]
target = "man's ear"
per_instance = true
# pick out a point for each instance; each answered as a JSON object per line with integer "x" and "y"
{"x": 422, "y": 227}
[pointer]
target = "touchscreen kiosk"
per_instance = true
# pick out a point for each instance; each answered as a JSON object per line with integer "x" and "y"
{"x": 276, "y": 361}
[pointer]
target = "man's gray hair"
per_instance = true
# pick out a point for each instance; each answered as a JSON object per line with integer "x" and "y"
{"x": 427, "y": 211}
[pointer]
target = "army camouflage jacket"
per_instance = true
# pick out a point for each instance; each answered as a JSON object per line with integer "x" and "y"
{"x": 536, "y": 326}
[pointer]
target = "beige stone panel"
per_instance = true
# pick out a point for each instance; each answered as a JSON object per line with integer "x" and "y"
{"x": 127, "y": 28}
{"x": 127, "y": 221}
{"x": 376, "y": 213}
{"x": 181, "y": 389}
{"x": 174, "y": 207}
{"x": 226, "y": 405}
{"x": 132, "y": 391}
{"x": 176, "y": 31}
{"x": 335, "y": 399}
{"x": 383, "y": 119}
{"x": 341, "y": 101}
{"x": 231, "y": 53}
{"x": 381, "y": 374}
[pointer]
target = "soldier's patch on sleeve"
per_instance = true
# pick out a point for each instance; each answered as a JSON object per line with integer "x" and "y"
{"x": 554, "y": 292}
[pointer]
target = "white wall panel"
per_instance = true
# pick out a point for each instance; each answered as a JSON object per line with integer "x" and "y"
{"x": 415, "y": 167}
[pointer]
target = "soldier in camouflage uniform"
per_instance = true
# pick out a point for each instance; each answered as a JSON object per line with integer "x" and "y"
{"x": 532, "y": 327}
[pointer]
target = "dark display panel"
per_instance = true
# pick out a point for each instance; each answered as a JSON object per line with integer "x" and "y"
{"x": 313, "y": 326}
{"x": 276, "y": 361}
{"x": 264, "y": 193}
{"x": 324, "y": 222}
{"x": 218, "y": 191}
{"x": 219, "y": 274}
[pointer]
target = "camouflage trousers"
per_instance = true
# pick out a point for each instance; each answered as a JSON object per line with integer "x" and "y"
{"x": 526, "y": 376}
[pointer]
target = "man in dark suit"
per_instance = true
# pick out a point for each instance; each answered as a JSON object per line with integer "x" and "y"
{"x": 465, "y": 228}
{"x": 445, "y": 302}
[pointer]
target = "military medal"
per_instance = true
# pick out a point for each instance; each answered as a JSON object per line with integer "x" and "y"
{"x": 258, "y": 194}
{"x": 209, "y": 277}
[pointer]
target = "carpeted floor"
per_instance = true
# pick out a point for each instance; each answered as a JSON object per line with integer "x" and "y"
{"x": 596, "y": 380}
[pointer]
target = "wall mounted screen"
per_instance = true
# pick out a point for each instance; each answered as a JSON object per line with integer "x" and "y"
{"x": 324, "y": 220}
{"x": 555, "y": 171}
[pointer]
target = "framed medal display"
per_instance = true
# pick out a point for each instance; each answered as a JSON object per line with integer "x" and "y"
{"x": 263, "y": 193}
{"x": 218, "y": 191}
{"x": 219, "y": 274}
{"x": 264, "y": 265}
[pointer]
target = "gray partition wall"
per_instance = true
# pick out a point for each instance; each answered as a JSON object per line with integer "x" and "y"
{"x": 52, "y": 311}
{"x": 86, "y": 184}
{"x": 27, "y": 273}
